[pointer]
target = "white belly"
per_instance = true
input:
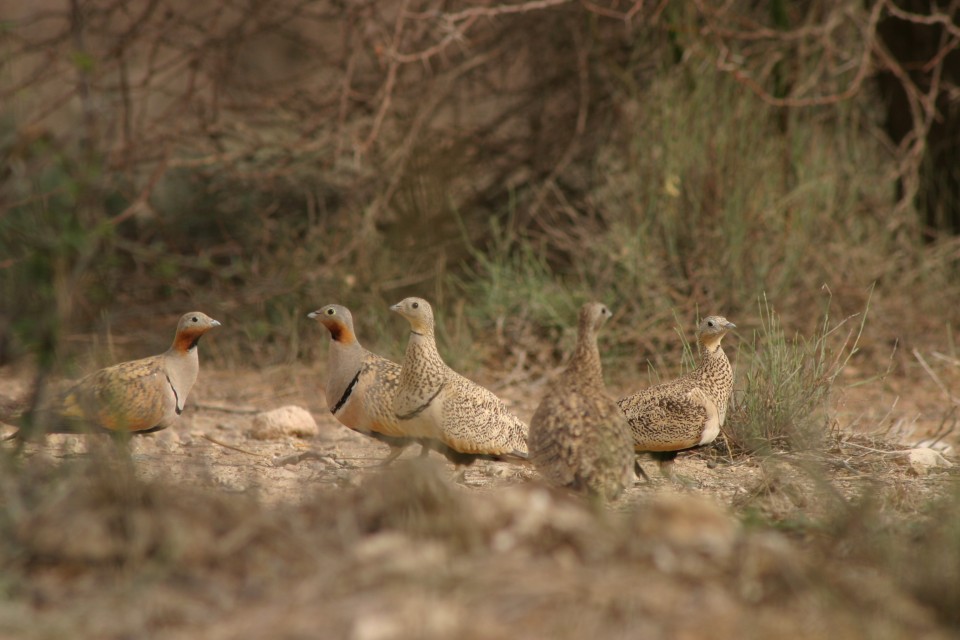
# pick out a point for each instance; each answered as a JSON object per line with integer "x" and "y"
{"x": 426, "y": 424}
{"x": 711, "y": 428}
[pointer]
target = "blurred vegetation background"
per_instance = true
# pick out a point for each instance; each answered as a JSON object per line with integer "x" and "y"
{"x": 792, "y": 166}
{"x": 257, "y": 160}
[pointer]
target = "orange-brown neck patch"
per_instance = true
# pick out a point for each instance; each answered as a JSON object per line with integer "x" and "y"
{"x": 340, "y": 332}
{"x": 187, "y": 339}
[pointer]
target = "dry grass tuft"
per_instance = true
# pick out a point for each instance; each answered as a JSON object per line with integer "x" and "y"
{"x": 97, "y": 513}
{"x": 408, "y": 554}
{"x": 784, "y": 384}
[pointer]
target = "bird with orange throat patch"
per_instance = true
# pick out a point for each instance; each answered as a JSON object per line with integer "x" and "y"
{"x": 360, "y": 384}
{"x": 135, "y": 397}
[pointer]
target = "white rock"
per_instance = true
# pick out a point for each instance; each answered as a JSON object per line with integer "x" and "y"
{"x": 290, "y": 420}
{"x": 937, "y": 445}
{"x": 922, "y": 459}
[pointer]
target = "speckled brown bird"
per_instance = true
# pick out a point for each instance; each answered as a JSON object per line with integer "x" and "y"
{"x": 361, "y": 384}
{"x": 434, "y": 401}
{"x": 578, "y": 437}
{"x": 140, "y": 396}
{"x": 686, "y": 412}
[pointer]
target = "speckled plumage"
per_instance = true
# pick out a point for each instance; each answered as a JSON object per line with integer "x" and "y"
{"x": 139, "y": 396}
{"x": 434, "y": 401}
{"x": 689, "y": 411}
{"x": 360, "y": 384}
{"x": 578, "y": 436}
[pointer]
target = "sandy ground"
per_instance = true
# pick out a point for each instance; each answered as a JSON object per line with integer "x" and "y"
{"x": 508, "y": 586}
{"x": 223, "y": 404}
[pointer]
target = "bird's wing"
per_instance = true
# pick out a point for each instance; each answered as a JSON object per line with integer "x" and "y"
{"x": 582, "y": 440}
{"x": 555, "y": 433}
{"x": 665, "y": 418}
{"x": 131, "y": 396}
{"x": 376, "y": 387}
{"x": 474, "y": 420}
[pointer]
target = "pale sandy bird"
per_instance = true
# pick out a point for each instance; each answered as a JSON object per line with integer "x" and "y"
{"x": 686, "y": 412}
{"x": 434, "y": 401}
{"x": 361, "y": 384}
{"x": 578, "y": 436}
{"x": 140, "y": 396}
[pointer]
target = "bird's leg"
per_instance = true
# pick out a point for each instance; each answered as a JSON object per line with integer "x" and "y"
{"x": 639, "y": 472}
{"x": 394, "y": 454}
{"x": 120, "y": 437}
{"x": 666, "y": 460}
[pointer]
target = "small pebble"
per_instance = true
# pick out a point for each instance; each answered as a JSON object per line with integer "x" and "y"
{"x": 290, "y": 420}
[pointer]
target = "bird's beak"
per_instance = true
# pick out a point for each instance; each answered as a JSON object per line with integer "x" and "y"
{"x": 313, "y": 314}
{"x": 730, "y": 325}
{"x": 395, "y": 307}
{"x": 215, "y": 323}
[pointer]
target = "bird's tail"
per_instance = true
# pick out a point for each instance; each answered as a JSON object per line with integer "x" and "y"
{"x": 460, "y": 458}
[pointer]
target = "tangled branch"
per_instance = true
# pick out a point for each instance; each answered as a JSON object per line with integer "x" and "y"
{"x": 276, "y": 89}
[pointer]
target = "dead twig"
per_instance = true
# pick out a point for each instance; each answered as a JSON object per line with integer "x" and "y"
{"x": 728, "y": 63}
{"x": 949, "y": 359}
{"x": 583, "y": 107}
{"x": 947, "y": 426}
{"x": 872, "y": 450}
{"x": 230, "y": 446}
{"x": 297, "y": 458}
{"x": 223, "y": 409}
{"x": 327, "y": 458}
{"x": 933, "y": 375}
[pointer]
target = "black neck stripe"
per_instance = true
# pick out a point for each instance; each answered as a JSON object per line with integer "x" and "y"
{"x": 422, "y": 407}
{"x": 176, "y": 396}
{"x": 346, "y": 394}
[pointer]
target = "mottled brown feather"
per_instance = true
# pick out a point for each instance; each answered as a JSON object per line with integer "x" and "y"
{"x": 676, "y": 415}
{"x": 360, "y": 384}
{"x": 136, "y": 396}
{"x": 578, "y": 437}
{"x": 436, "y": 402}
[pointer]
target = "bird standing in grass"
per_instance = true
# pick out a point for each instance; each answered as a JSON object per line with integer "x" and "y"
{"x": 436, "y": 402}
{"x": 140, "y": 396}
{"x": 689, "y": 411}
{"x": 578, "y": 436}
{"x": 361, "y": 384}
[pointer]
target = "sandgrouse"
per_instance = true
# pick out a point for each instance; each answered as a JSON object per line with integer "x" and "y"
{"x": 140, "y": 396}
{"x": 578, "y": 437}
{"x": 361, "y": 384}
{"x": 686, "y": 412}
{"x": 434, "y": 401}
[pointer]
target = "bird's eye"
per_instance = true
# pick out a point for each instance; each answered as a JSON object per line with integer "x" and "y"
{"x": 194, "y": 319}
{"x": 415, "y": 305}
{"x": 710, "y": 323}
{"x": 330, "y": 312}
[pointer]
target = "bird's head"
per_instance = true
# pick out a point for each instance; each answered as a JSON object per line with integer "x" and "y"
{"x": 712, "y": 329}
{"x": 593, "y": 315}
{"x": 191, "y": 328}
{"x": 338, "y": 321}
{"x": 418, "y": 313}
